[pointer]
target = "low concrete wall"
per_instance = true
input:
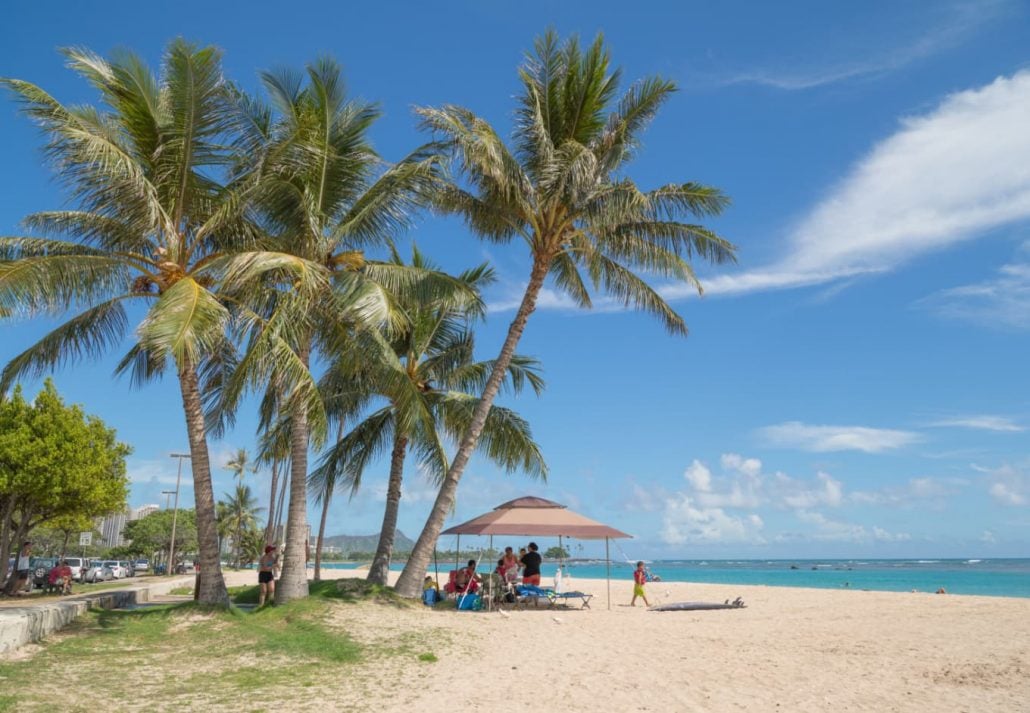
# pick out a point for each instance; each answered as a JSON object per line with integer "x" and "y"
{"x": 20, "y": 625}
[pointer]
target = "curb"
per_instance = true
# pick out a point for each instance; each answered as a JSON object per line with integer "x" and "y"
{"x": 33, "y": 622}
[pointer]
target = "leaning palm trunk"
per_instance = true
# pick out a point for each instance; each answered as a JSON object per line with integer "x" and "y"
{"x": 270, "y": 526}
{"x": 380, "y": 569}
{"x": 321, "y": 537}
{"x": 410, "y": 581}
{"x": 294, "y": 581}
{"x": 211, "y": 588}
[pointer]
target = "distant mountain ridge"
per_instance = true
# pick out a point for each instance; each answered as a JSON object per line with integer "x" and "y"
{"x": 368, "y": 543}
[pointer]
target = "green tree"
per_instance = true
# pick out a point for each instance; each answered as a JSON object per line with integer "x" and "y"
{"x": 557, "y": 553}
{"x": 563, "y": 190}
{"x": 323, "y": 195}
{"x": 152, "y": 535}
{"x": 426, "y": 386}
{"x": 58, "y": 466}
{"x": 151, "y": 224}
{"x": 237, "y": 517}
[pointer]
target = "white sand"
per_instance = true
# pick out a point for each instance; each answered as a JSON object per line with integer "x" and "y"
{"x": 789, "y": 650}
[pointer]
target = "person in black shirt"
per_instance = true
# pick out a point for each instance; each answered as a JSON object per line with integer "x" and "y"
{"x": 531, "y": 563}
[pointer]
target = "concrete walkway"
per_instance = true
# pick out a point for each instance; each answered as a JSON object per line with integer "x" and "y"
{"x": 23, "y": 623}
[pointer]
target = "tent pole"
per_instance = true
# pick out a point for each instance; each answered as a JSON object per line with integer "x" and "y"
{"x": 457, "y": 555}
{"x": 608, "y": 569}
{"x": 490, "y": 603}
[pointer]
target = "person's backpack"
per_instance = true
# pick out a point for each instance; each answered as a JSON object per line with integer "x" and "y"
{"x": 430, "y": 596}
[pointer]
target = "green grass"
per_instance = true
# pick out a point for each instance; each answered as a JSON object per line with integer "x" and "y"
{"x": 220, "y": 656}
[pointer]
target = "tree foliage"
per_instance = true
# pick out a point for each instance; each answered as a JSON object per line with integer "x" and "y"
{"x": 152, "y": 535}
{"x": 58, "y": 465}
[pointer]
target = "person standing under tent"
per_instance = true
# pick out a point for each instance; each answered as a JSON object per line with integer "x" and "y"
{"x": 531, "y": 562}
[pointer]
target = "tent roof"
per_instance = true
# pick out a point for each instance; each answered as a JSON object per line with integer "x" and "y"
{"x": 535, "y": 516}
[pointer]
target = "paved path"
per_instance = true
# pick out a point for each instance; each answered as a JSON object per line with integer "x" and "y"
{"x": 28, "y": 619}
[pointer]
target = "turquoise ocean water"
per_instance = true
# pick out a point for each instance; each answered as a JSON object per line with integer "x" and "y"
{"x": 997, "y": 577}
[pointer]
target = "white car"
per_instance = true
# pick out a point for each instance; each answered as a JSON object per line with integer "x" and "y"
{"x": 78, "y": 565}
{"x": 118, "y": 569}
{"x": 97, "y": 572}
{"x": 141, "y": 565}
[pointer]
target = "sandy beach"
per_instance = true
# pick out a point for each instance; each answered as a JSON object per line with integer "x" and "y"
{"x": 790, "y": 649}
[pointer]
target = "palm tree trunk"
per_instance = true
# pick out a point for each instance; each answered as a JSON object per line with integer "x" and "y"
{"x": 410, "y": 581}
{"x": 279, "y": 508}
{"x": 380, "y": 569}
{"x": 294, "y": 581}
{"x": 321, "y": 536}
{"x": 211, "y": 589}
{"x": 270, "y": 526}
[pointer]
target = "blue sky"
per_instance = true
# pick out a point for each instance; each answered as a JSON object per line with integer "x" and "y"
{"x": 855, "y": 386}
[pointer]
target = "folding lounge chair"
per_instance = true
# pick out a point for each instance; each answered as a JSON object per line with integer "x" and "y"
{"x": 564, "y": 597}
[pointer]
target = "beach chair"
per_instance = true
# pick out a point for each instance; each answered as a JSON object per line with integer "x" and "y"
{"x": 563, "y": 599}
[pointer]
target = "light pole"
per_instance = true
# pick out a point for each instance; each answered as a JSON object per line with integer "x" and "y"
{"x": 175, "y": 513}
{"x": 168, "y": 498}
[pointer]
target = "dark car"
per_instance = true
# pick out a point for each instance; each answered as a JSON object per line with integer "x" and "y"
{"x": 39, "y": 570}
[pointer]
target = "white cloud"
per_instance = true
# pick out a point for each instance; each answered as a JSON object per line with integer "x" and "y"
{"x": 750, "y": 467}
{"x": 699, "y": 476}
{"x": 981, "y": 422}
{"x": 928, "y": 490}
{"x": 1002, "y": 302}
{"x": 828, "y": 492}
{"x": 836, "y": 530}
{"x": 683, "y": 521}
{"x": 960, "y": 21}
{"x": 821, "y": 439}
{"x": 946, "y": 176}
{"x": 988, "y": 537}
{"x": 1008, "y": 484}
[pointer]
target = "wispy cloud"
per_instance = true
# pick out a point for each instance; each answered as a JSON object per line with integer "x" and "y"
{"x": 943, "y": 177}
{"x": 822, "y": 439}
{"x": 982, "y": 422}
{"x": 1008, "y": 484}
{"x": 960, "y": 21}
{"x": 1003, "y": 301}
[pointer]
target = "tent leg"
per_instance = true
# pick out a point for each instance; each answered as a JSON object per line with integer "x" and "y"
{"x": 608, "y": 570}
{"x": 457, "y": 555}
{"x": 490, "y": 602}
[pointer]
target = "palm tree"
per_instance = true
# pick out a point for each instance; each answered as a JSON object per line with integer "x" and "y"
{"x": 151, "y": 226}
{"x": 239, "y": 464}
{"x": 433, "y": 355}
{"x": 238, "y": 516}
{"x": 322, "y": 192}
{"x": 563, "y": 191}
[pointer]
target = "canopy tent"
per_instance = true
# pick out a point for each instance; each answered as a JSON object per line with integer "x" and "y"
{"x": 537, "y": 517}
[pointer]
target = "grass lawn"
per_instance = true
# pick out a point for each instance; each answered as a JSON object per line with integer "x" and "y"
{"x": 188, "y": 657}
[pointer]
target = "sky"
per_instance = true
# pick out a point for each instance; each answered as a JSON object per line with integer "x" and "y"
{"x": 855, "y": 386}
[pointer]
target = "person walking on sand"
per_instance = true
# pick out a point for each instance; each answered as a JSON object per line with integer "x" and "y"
{"x": 266, "y": 574}
{"x": 639, "y": 579}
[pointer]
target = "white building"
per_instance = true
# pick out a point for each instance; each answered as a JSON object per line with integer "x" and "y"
{"x": 144, "y": 510}
{"x": 111, "y": 529}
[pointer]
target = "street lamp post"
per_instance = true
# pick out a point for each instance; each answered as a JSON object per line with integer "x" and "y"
{"x": 175, "y": 513}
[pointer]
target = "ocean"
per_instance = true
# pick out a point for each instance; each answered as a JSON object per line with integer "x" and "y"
{"x": 989, "y": 577}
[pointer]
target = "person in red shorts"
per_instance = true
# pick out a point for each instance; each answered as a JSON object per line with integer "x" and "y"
{"x": 531, "y": 566}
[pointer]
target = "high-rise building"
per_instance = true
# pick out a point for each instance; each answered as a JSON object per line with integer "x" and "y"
{"x": 144, "y": 510}
{"x": 111, "y": 529}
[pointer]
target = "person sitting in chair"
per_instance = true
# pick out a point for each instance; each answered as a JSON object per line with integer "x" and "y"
{"x": 60, "y": 577}
{"x": 467, "y": 580}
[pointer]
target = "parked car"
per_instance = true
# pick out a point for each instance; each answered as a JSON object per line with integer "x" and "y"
{"x": 97, "y": 572}
{"x": 117, "y": 569}
{"x": 141, "y": 565}
{"x": 130, "y": 571}
{"x": 40, "y": 569}
{"x": 78, "y": 565}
